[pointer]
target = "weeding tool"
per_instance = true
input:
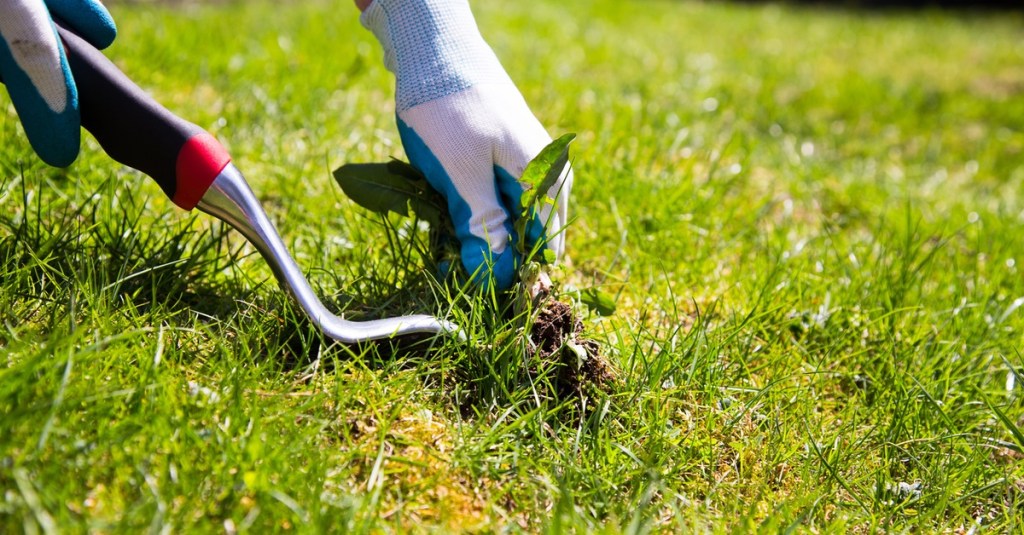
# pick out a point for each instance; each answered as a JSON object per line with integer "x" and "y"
{"x": 195, "y": 171}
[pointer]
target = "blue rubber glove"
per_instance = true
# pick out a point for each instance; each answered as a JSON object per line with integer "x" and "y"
{"x": 35, "y": 70}
{"x": 465, "y": 125}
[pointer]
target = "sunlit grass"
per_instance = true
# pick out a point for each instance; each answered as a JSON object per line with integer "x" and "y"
{"x": 810, "y": 221}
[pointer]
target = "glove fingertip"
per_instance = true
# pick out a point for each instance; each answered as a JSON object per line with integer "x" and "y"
{"x": 89, "y": 19}
{"x": 57, "y": 153}
{"x": 56, "y": 138}
{"x": 504, "y": 270}
{"x": 104, "y": 35}
{"x": 52, "y": 122}
{"x": 489, "y": 270}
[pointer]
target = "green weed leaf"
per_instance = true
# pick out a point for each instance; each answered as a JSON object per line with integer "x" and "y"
{"x": 540, "y": 174}
{"x": 543, "y": 171}
{"x": 598, "y": 301}
{"x": 392, "y": 187}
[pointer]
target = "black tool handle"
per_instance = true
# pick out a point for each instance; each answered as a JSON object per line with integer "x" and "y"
{"x": 137, "y": 131}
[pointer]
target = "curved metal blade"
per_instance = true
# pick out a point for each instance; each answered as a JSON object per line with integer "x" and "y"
{"x": 231, "y": 200}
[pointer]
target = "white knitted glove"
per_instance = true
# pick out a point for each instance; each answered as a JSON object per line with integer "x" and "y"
{"x": 35, "y": 69}
{"x": 465, "y": 125}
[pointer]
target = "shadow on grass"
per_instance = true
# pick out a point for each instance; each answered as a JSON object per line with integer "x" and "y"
{"x": 108, "y": 255}
{"x": 63, "y": 261}
{"x": 109, "y": 261}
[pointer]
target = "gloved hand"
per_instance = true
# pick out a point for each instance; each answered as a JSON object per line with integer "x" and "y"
{"x": 465, "y": 125}
{"x": 35, "y": 70}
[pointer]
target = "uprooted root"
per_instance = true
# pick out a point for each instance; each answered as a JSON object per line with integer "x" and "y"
{"x": 580, "y": 370}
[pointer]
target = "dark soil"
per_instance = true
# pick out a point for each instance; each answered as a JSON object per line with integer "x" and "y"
{"x": 555, "y": 328}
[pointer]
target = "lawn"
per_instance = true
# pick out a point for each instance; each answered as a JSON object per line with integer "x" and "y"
{"x": 809, "y": 220}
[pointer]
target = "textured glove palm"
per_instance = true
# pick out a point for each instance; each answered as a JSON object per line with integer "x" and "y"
{"x": 35, "y": 69}
{"x": 465, "y": 125}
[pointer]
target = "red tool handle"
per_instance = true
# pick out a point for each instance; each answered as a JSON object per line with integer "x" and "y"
{"x": 137, "y": 131}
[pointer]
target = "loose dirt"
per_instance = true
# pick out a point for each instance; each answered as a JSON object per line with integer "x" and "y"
{"x": 558, "y": 340}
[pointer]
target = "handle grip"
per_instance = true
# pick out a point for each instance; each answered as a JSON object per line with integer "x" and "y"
{"x": 137, "y": 131}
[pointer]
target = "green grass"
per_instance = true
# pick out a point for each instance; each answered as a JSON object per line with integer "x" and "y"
{"x": 810, "y": 220}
